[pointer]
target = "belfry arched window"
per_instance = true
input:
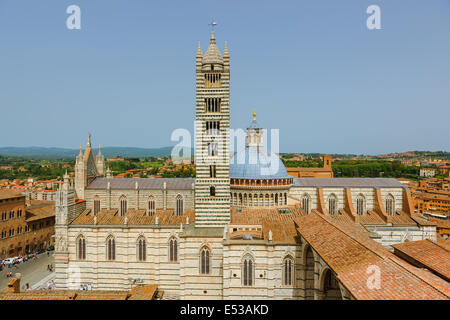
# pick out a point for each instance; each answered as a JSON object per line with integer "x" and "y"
{"x": 123, "y": 205}
{"x": 360, "y": 204}
{"x": 288, "y": 271}
{"x": 390, "y": 205}
{"x": 81, "y": 248}
{"x": 212, "y": 191}
{"x": 332, "y": 204}
{"x": 110, "y": 248}
{"x": 141, "y": 249}
{"x": 151, "y": 206}
{"x": 179, "y": 205}
{"x": 205, "y": 260}
{"x": 173, "y": 250}
{"x": 248, "y": 271}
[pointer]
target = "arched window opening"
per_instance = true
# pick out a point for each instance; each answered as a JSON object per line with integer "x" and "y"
{"x": 306, "y": 203}
{"x": 173, "y": 250}
{"x": 123, "y": 206}
{"x": 212, "y": 191}
{"x": 151, "y": 206}
{"x": 111, "y": 249}
{"x": 390, "y": 205}
{"x": 331, "y": 286}
{"x": 81, "y": 248}
{"x": 247, "y": 271}
{"x": 332, "y": 204}
{"x": 141, "y": 249}
{"x": 288, "y": 271}
{"x": 179, "y": 205}
{"x": 205, "y": 261}
{"x": 360, "y": 205}
{"x": 96, "y": 205}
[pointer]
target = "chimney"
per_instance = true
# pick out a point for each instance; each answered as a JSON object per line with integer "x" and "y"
{"x": 14, "y": 285}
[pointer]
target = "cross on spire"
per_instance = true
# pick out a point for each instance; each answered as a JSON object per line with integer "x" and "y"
{"x": 213, "y": 24}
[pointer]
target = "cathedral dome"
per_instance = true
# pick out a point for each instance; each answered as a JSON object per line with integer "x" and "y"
{"x": 256, "y": 163}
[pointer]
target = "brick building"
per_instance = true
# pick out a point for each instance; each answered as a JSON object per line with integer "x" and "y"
{"x": 324, "y": 172}
{"x": 25, "y": 226}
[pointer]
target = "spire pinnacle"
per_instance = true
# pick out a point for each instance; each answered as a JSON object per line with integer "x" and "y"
{"x": 199, "y": 50}
{"x": 99, "y": 149}
{"x": 81, "y": 150}
{"x": 225, "y": 51}
{"x": 213, "y": 38}
{"x": 89, "y": 141}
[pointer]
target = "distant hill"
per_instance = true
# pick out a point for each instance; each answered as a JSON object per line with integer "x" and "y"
{"x": 63, "y": 153}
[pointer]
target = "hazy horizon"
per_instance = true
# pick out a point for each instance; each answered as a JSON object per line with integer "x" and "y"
{"x": 311, "y": 69}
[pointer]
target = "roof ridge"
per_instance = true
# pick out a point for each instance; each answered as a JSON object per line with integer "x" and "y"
{"x": 414, "y": 274}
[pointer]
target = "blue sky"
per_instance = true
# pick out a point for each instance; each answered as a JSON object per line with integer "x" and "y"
{"x": 310, "y": 68}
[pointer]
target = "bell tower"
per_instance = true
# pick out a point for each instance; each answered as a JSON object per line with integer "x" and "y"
{"x": 212, "y": 126}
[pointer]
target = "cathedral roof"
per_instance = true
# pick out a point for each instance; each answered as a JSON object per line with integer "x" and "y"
{"x": 212, "y": 54}
{"x": 142, "y": 183}
{"x": 348, "y": 182}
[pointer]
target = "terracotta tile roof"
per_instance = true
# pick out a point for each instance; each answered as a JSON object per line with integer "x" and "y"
{"x": 135, "y": 217}
{"x": 425, "y": 253}
{"x": 41, "y": 211}
{"x": 7, "y": 194}
{"x": 443, "y": 224}
{"x": 349, "y": 252}
{"x": 443, "y": 243}
{"x": 147, "y": 292}
{"x": 281, "y": 224}
{"x": 144, "y": 292}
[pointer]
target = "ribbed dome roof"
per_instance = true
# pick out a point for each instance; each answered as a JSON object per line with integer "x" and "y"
{"x": 212, "y": 54}
{"x": 256, "y": 165}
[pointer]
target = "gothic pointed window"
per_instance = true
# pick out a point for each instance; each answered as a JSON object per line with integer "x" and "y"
{"x": 110, "y": 248}
{"x": 247, "y": 271}
{"x": 179, "y": 210}
{"x": 360, "y": 204}
{"x": 332, "y": 204}
{"x": 81, "y": 248}
{"x": 390, "y": 205}
{"x": 205, "y": 261}
{"x": 96, "y": 205}
{"x": 123, "y": 205}
{"x": 173, "y": 250}
{"x": 141, "y": 249}
{"x": 306, "y": 203}
{"x": 151, "y": 206}
{"x": 288, "y": 271}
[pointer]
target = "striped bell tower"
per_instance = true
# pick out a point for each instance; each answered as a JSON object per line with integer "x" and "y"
{"x": 212, "y": 126}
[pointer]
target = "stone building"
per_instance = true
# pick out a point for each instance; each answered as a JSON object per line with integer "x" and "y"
{"x": 239, "y": 230}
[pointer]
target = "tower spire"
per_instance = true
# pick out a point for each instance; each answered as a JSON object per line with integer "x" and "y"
{"x": 225, "y": 51}
{"x": 89, "y": 140}
{"x": 199, "y": 51}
